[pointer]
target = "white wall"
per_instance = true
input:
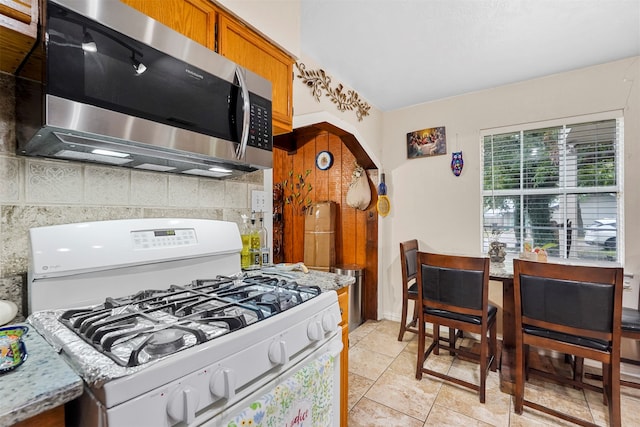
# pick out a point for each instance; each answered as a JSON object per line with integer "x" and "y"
{"x": 278, "y": 20}
{"x": 443, "y": 211}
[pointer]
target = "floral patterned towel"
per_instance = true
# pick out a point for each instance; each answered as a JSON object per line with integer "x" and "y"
{"x": 305, "y": 399}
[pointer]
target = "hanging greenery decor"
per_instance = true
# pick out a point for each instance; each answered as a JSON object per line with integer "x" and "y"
{"x": 318, "y": 80}
{"x": 296, "y": 191}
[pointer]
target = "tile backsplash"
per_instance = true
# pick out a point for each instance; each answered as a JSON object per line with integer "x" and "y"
{"x": 37, "y": 192}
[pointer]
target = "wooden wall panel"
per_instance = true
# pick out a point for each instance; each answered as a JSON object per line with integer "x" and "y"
{"x": 356, "y": 230}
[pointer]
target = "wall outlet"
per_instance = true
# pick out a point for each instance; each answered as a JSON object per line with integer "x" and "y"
{"x": 258, "y": 201}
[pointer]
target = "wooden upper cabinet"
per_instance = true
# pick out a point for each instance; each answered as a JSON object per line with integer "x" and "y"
{"x": 245, "y": 47}
{"x": 18, "y": 30}
{"x": 195, "y": 19}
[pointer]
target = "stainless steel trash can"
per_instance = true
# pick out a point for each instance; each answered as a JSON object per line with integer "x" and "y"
{"x": 355, "y": 292}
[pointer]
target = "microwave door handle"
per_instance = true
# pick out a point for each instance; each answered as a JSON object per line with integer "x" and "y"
{"x": 246, "y": 119}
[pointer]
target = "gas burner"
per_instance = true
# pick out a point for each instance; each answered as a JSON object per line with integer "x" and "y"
{"x": 164, "y": 342}
{"x": 281, "y": 300}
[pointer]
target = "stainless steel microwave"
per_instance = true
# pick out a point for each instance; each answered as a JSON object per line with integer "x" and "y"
{"x": 118, "y": 88}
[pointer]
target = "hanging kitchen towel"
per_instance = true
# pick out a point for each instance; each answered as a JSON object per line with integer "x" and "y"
{"x": 359, "y": 194}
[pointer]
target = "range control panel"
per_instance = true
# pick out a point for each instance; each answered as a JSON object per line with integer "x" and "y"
{"x": 149, "y": 239}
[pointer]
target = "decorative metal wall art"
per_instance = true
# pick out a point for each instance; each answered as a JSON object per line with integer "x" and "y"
{"x": 318, "y": 80}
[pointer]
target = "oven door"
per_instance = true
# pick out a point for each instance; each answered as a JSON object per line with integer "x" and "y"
{"x": 307, "y": 393}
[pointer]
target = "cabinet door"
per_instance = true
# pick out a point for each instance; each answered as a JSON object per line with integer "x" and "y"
{"x": 195, "y": 19}
{"x": 18, "y": 30}
{"x": 246, "y": 48}
{"x": 50, "y": 418}
{"x": 343, "y": 301}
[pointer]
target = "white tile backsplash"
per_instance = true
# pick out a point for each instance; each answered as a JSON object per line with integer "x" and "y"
{"x": 211, "y": 193}
{"x": 236, "y": 195}
{"x": 182, "y": 191}
{"x": 148, "y": 189}
{"x": 106, "y": 186}
{"x": 9, "y": 179}
{"x": 53, "y": 182}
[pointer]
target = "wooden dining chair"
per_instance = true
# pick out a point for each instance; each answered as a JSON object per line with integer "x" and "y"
{"x": 570, "y": 309}
{"x": 630, "y": 328}
{"x": 453, "y": 291}
{"x": 409, "y": 265}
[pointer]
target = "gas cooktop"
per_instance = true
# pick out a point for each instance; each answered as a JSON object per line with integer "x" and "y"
{"x": 136, "y": 329}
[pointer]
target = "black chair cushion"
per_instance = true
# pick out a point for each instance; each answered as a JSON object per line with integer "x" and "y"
{"x": 571, "y": 339}
{"x": 411, "y": 257}
{"x": 413, "y": 290}
{"x": 462, "y": 288}
{"x": 575, "y": 304}
{"x": 630, "y": 319}
{"x": 475, "y": 320}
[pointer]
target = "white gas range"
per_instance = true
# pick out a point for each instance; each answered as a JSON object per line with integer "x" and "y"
{"x": 163, "y": 327}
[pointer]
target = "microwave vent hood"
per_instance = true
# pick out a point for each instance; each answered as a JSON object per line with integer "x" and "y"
{"x": 112, "y": 86}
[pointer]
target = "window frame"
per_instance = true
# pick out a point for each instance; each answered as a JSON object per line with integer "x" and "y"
{"x": 617, "y": 189}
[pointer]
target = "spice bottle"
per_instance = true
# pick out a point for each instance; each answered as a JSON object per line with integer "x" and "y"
{"x": 264, "y": 242}
{"x": 255, "y": 243}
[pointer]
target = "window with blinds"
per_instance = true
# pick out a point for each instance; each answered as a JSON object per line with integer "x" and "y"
{"x": 557, "y": 187}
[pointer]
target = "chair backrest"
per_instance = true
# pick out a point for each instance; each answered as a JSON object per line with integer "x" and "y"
{"x": 454, "y": 283}
{"x": 582, "y": 301}
{"x": 409, "y": 260}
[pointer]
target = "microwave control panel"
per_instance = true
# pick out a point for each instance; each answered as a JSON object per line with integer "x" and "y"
{"x": 260, "y": 129}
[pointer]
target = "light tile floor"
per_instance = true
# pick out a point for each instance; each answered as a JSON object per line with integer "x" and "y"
{"x": 383, "y": 390}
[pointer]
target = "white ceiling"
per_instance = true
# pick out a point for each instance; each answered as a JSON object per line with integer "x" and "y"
{"x": 398, "y": 53}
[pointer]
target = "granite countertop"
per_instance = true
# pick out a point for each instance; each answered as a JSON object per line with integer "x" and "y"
{"x": 325, "y": 280}
{"x": 44, "y": 381}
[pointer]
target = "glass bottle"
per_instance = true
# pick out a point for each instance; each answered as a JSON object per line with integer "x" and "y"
{"x": 255, "y": 243}
{"x": 264, "y": 242}
{"x": 245, "y": 235}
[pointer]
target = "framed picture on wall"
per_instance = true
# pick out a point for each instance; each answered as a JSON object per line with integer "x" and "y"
{"x": 426, "y": 142}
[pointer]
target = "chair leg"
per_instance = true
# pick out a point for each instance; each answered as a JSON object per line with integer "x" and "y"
{"x": 483, "y": 368}
{"x": 403, "y": 320}
{"x": 578, "y": 369}
{"x": 414, "y": 321}
{"x": 612, "y": 390}
{"x": 436, "y": 339}
{"x": 420, "y": 357}
{"x": 526, "y": 362}
{"x": 606, "y": 380}
{"x": 493, "y": 346}
{"x": 452, "y": 341}
{"x": 520, "y": 372}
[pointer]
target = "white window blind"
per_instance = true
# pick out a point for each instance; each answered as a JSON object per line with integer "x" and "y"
{"x": 557, "y": 186}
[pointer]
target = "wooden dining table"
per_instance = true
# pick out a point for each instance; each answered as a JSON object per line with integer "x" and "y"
{"x": 503, "y": 272}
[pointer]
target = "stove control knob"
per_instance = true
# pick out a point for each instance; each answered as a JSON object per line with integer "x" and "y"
{"x": 278, "y": 352}
{"x": 183, "y": 403}
{"x": 329, "y": 322}
{"x": 314, "y": 331}
{"x": 223, "y": 383}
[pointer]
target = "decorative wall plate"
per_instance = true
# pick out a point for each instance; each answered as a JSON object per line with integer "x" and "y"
{"x": 383, "y": 206}
{"x": 324, "y": 160}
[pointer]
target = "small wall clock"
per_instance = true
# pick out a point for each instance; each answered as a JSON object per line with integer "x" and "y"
{"x": 324, "y": 160}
